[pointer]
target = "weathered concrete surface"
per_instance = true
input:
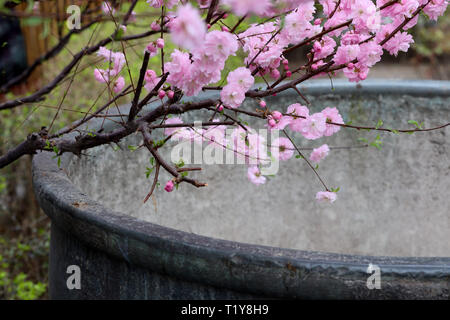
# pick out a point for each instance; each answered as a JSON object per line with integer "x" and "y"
{"x": 392, "y": 202}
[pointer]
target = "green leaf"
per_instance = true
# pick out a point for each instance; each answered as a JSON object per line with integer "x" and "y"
{"x": 379, "y": 124}
{"x": 148, "y": 172}
{"x": 376, "y": 143}
{"x": 132, "y": 148}
{"x": 414, "y": 122}
{"x": 180, "y": 163}
{"x": 363, "y": 140}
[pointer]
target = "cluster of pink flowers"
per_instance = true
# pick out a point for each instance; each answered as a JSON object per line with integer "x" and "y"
{"x": 313, "y": 126}
{"x": 187, "y": 29}
{"x": 159, "y": 3}
{"x": 261, "y": 7}
{"x": 239, "y": 82}
{"x": 263, "y": 54}
{"x": 153, "y": 46}
{"x": 361, "y": 31}
{"x": 116, "y": 62}
{"x": 209, "y": 52}
{"x": 318, "y": 154}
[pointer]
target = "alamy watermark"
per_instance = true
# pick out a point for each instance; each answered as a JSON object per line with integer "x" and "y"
{"x": 374, "y": 280}
{"x": 74, "y": 280}
{"x": 74, "y": 20}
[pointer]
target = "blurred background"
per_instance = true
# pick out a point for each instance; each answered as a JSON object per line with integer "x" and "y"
{"x": 24, "y": 228}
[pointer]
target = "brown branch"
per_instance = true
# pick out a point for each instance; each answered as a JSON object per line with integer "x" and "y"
{"x": 211, "y": 10}
{"x": 38, "y": 95}
{"x": 133, "y": 109}
{"x": 306, "y": 160}
{"x": 155, "y": 181}
{"x": 170, "y": 169}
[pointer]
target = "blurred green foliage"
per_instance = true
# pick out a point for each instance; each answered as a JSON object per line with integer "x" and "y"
{"x": 432, "y": 39}
{"x": 16, "y": 255}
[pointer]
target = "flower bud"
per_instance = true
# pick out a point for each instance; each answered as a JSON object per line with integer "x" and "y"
{"x": 169, "y": 186}
{"x": 277, "y": 115}
{"x": 160, "y": 43}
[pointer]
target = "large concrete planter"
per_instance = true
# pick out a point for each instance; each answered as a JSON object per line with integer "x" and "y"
{"x": 232, "y": 239}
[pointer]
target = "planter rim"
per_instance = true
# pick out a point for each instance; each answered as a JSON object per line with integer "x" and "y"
{"x": 131, "y": 239}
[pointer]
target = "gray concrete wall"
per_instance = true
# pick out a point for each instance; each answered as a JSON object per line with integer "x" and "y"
{"x": 393, "y": 201}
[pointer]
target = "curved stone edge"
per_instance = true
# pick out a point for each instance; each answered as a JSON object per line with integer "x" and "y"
{"x": 260, "y": 270}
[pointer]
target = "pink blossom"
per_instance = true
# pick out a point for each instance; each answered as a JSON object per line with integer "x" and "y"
{"x": 319, "y": 154}
{"x": 357, "y": 73}
{"x": 254, "y": 175}
{"x": 435, "y": 8}
{"x": 269, "y": 58}
{"x": 155, "y": 26}
{"x": 326, "y": 196}
{"x": 298, "y": 25}
{"x": 350, "y": 38}
{"x": 158, "y": 3}
{"x": 172, "y": 131}
{"x": 338, "y": 18}
{"x": 282, "y": 149}
{"x": 274, "y": 124}
{"x": 332, "y": 115}
{"x": 216, "y": 135}
{"x": 328, "y": 6}
{"x": 220, "y": 45}
{"x": 400, "y": 42}
{"x": 255, "y": 149}
{"x": 241, "y": 77}
{"x": 324, "y": 47}
{"x": 188, "y": 29}
{"x": 232, "y": 95}
{"x": 169, "y": 186}
{"x": 160, "y": 43}
{"x": 116, "y": 58}
{"x": 155, "y": 3}
{"x": 314, "y": 126}
{"x": 101, "y": 75}
{"x": 243, "y": 7}
{"x": 365, "y": 16}
{"x": 107, "y": 8}
{"x": 277, "y": 115}
{"x": 179, "y": 68}
{"x": 346, "y": 53}
{"x": 151, "y": 48}
{"x": 297, "y": 109}
{"x": 119, "y": 84}
{"x": 370, "y": 53}
{"x": 151, "y": 80}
